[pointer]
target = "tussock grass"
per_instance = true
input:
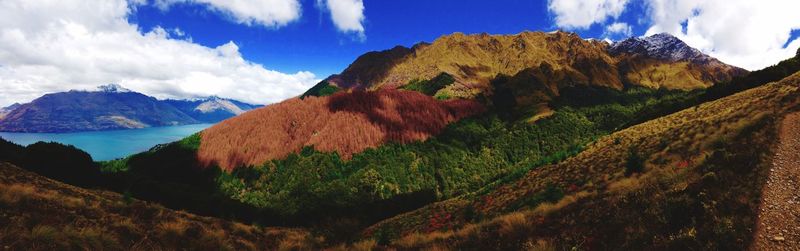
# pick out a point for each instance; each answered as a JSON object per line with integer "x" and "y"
{"x": 11, "y": 194}
{"x": 699, "y": 188}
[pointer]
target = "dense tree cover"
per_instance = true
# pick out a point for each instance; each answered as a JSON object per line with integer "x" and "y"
{"x": 465, "y": 157}
{"x": 321, "y": 89}
{"x": 432, "y": 86}
{"x": 310, "y": 186}
{"x": 53, "y": 160}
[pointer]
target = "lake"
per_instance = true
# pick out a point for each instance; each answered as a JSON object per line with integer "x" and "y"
{"x": 108, "y": 145}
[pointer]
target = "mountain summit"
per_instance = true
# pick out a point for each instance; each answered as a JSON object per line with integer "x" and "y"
{"x": 474, "y": 61}
{"x": 659, "y": 46}
{"x": 113, "y": 88}
{"x": 212, "y": 109}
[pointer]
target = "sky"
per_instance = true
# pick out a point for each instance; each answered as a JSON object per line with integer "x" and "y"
{"x": 264, "y": 51}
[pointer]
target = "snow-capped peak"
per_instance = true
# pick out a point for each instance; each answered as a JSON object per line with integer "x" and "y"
{"x": 661, "y": 46}
{"x": 112, "y": 88}
{"x": 214, "y": 103}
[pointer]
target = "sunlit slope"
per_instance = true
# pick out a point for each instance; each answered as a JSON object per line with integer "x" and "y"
{"x": 690, "y": 180}
{"x": 476, "y": 60}
{"x": 345, "y": 123}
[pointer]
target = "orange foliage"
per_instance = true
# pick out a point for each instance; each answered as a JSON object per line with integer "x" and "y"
{"x": 346, "y": 123}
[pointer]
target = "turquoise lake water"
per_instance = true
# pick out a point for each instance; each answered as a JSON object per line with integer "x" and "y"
{"x": 108, "y": 145}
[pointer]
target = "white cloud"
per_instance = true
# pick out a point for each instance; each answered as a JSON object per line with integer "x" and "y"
{"x": 618, "y": 29}
{"x": 51, "y": 46}
{"x": 745, "y": 33}
{"x": 581, "y": 14}
{"x": 267, "y": 13}
{"x": 347, "y": 15}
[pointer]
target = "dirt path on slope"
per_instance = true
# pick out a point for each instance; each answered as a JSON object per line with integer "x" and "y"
{"x": 778, "y": 226}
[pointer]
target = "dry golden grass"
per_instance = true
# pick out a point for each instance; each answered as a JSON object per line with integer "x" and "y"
{"x": 126, "y": 224}
{"x": 73, "y": 202}
{"x": 512, "y": 224}
{"x": 242, "y": 228}
{"x": 212, "y": 239}
{"x": 44, "y": 234}
{"x": 540, "y": 245}
{"x": 547, "y": 208}
{"x": 172, "y": 231}
{"x": 475, "y": 60}
{"x": 675, "y": 148}
{"x": 11, "y": 194}
{"x": 679, "y": 75}
{"x": 364, "y": 245}
{"x": 297, "y": 241}
{"x": 71, "y": 218}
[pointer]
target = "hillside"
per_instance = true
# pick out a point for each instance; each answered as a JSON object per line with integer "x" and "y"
{"x": 345, "y": 123}
{"x": 49, "y": 215}
{"x": 690, "y": 180}
{"x": 663, "y": 60}
{"x": 350, "y": 157}
{"x": 339, "y": 159}
{"x": 476, "y": 60}
{"x": 111, "y": 108}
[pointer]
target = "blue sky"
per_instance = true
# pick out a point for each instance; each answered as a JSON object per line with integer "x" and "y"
{"x": 264, "y": 51}
{"x": 313, "y": 43}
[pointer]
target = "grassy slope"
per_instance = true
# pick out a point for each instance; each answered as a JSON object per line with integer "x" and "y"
{"x": 339, "y": 198}
{"x": 699, "y": 188}
{"x": 42, "y": 214}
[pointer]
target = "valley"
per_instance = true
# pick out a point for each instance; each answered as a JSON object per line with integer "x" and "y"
{"x": 532, "y": 141}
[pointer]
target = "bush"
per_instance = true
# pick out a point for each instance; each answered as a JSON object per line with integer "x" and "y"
{"x": 432, "y": 86}
{"x": 634, "y": 163}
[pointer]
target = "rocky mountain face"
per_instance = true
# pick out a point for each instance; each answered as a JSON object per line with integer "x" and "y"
{"x": 659, "y": 46}
{"x": 662, "y": 60}
{"x": 212, "y": 109}
{"x": 564, "y": 59}
{"x": 113, "y": 107}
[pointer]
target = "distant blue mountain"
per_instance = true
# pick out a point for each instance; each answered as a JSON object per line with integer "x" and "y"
{"x": 212, "y": 109}
{"x": 112, "y": 108}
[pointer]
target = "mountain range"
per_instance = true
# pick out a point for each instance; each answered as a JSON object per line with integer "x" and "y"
{"x": 532, "y": 141}
{"x": 475, "y": 60}
{"x": 534, "y": 66}
{"x": 113, "y": 107}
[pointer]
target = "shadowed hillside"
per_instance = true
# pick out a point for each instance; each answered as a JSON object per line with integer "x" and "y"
{"x": 345, "y": 123}
{"x": 49, "y": 215}
{"x": 691, "y": 180}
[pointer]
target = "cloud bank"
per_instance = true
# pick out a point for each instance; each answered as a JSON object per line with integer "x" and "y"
{"x": 347, "y": 15}
{"x": 749, "y": 34}
{"x": 745, "y": 33}
{"x": 618, "y": 29}
{"x": 267, "y": 13}
{"x": 52, "y": 46}
{"x": 581, "y": 14}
